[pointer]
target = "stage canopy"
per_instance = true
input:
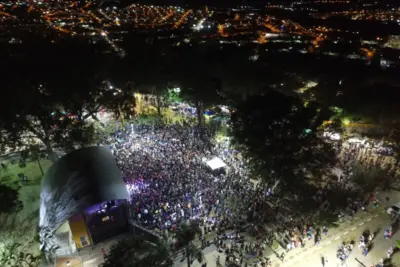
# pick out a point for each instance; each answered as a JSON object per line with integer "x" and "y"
{"x": 77, "y": 181}
{"x": 216, "y": 163}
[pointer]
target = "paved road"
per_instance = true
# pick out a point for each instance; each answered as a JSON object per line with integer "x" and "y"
{"x": 310, "y": 256}
{"x": 376, "y": 223}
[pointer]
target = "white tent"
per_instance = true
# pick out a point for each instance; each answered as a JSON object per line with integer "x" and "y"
{"x": 215, "y": 163}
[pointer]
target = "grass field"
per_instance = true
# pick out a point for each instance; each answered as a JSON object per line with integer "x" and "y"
{"x": 31, "y": 170}
{"x": 22, "y": 227}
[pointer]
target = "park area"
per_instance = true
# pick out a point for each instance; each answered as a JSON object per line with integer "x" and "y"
{"x": 247, "y": 213}
{"x": 21, "y": 227}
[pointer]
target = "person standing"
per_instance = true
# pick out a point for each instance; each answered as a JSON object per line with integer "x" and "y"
{"x": 103, "y": 252}
{"x": 365, "y": 251}
{"x": 324, "y": 261}
{"x": 325, "y": 230}
{"x": 390, "y": 252}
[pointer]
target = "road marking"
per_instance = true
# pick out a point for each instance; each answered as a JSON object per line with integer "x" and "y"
{"x": 345, "y": 233}
{"x": 369, "y": 219}
{"x": 352, "y": 229}
{"x": 361, "y": 224}
{"x": 336, "y": 238}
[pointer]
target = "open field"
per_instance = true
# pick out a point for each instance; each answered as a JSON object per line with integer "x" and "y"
{"x": 22, "y": 227}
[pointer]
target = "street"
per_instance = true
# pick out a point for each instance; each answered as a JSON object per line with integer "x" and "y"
{"x": 375, "y": 221}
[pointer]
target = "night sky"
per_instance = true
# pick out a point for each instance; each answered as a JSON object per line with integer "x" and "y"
{"x": 233, "y": 2}
{"x": 202, "y": 2}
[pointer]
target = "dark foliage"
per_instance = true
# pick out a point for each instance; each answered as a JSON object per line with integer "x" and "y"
{"x": 9, "y": 199}
{"x": 280, "y": 135}
{"x": 138, "y": 252}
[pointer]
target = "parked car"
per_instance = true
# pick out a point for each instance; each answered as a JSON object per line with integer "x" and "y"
{"x": 394, "y": 210}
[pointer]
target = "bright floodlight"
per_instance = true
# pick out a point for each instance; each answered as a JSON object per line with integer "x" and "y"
{"x": 335, "y": 136}
{"x": 216, "y": 163}
{"x": 332, "y": 136}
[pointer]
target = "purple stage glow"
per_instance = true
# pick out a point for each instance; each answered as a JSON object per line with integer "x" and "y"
{"x": 135, "y": 186}
{"x": 100, "y": 206}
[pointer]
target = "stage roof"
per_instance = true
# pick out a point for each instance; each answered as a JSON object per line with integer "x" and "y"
{"x": 216, "y": 163}
{"x": 77, "y": 181}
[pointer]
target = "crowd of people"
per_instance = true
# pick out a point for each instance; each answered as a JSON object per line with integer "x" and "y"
{"x": 169, "y": 182}
{"x": 365, "y": 245}
{"x": 164, "y": 167}
{"x": 369, "y": 154}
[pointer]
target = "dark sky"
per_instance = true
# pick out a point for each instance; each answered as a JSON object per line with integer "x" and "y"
{"x": 233, "y": 3}
{"x": 201, "y": 2}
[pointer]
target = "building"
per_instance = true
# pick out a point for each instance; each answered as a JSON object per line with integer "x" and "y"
{"x": 83, "y": 201}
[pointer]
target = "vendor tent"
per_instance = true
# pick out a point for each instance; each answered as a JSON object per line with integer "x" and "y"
{"x": 215, "y": 163}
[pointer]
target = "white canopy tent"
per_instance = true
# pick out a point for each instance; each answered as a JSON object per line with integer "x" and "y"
{"x": 216, "y": 163}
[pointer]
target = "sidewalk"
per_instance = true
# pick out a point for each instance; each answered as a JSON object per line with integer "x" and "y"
{"x": 335, "y": 233}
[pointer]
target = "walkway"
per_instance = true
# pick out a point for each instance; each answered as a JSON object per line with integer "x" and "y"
{"x": 375, "y": 220}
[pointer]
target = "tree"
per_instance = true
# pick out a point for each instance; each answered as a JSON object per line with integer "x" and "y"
{"x": 376, "y": 102}
{"x": 241, "y": 77}
{"x": 152, "y": 67}
{"x": 185, "y": 235}
{"x": 200, "y": 84}
{"x": 236, "y": 205}
{"x": 35, "y": 153}
{"x": 9, "y": 199}
{"x": 367, "y": 180}
{"x": 280, "y": 135}
{"x": 163, "y": 66}
{"x": 52, "y": 103}
{"x": 138, "y": 252}
{"x": 12, "y": 256}
{"x": 38, "y": 117}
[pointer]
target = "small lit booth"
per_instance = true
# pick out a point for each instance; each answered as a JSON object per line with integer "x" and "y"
{"x": 216, "y": 165}
{"x": 83, "y": 201}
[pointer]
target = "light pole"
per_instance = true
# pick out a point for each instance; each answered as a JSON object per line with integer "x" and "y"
{"x": 362, "y": 264}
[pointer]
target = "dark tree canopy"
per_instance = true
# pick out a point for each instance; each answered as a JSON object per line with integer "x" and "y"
{"x": 9, "y": 199}
{"x": 200, "y": 82}
{"x": 52, "y": 102}
{"x": 138, "y": 252}
{"x": 185, "y": 235}
{"x": 280, "y": 135}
